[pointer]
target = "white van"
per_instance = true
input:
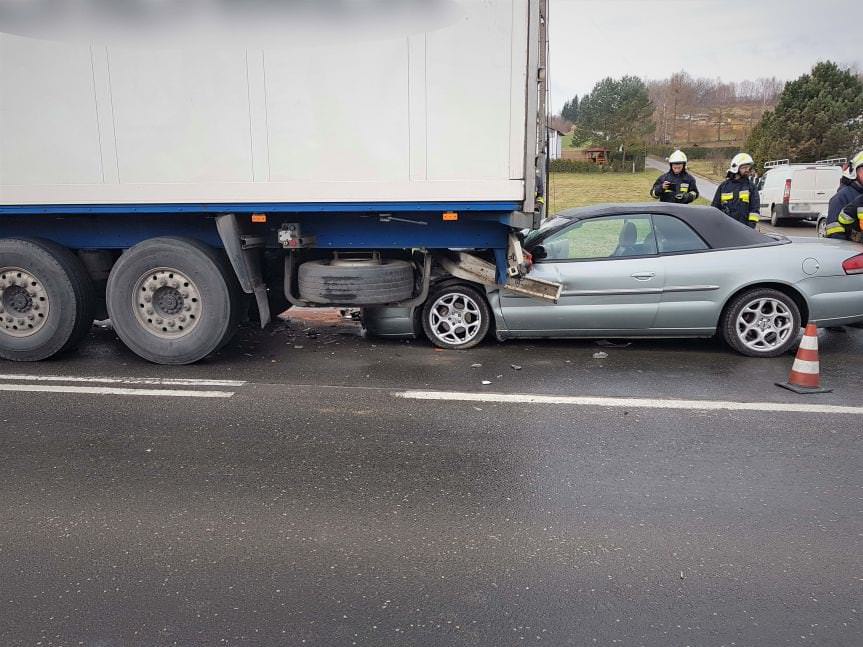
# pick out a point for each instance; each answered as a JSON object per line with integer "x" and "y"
{"x": 797, "y": 191}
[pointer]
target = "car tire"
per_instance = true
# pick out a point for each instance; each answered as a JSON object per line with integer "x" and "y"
{"x": 49, "y": 290}
{"x": 174, "y": 300}
{"x": 356, "y": 282}
{"x": 456, "y": 317}
{"x": 761, "y": 322}
{"x": 775, "y": 220}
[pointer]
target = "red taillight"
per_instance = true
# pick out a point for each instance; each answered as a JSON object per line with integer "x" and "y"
{"x": 786, "y": 195}
{"x": 853, "y": 265}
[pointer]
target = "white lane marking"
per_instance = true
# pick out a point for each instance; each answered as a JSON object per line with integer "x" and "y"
{"x": 632, "y": 403}
{"x": 147, "y": 381}
{"x": 108, "y": 390}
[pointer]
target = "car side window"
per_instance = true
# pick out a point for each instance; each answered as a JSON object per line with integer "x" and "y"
{"x": 674, "y": 235}
{"x": 597, "y": 238}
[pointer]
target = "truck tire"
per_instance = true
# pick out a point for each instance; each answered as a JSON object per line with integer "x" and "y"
{"x": 173, "y": 300}
{"x": 456, "y": 317}
{"x": 47, "y": 300}
{"x": 359, "y": 282}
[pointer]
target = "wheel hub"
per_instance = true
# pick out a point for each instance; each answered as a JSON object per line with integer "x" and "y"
{"x": 167, "y": 303}
{"x": 24, "y": 303}
{"x": 455, "y": 318}
{"x": 764, "y": 324}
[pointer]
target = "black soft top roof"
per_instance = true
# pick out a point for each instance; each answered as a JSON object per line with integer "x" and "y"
{"x": 718, "y": 230}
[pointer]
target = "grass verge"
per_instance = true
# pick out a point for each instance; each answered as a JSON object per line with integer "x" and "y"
{"x": 568, "y": 190}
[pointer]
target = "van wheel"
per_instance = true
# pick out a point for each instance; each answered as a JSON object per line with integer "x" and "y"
{"x": 456, "y": 317}
{"x": 822, "y": 227}
{"x": 173, "y": 300}
{"x": 761, "y": 322}
{"x": 775, "y": 220}
{"x": 47, "y": 300}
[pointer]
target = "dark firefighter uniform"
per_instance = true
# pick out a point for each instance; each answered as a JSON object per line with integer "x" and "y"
{"x": 738, "y": 198}
{"x": 849, "y": 222}
{"x": 840, "y": 221}
{"x": 682, "y": 189}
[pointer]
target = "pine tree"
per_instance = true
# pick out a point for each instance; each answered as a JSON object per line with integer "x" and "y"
{"x": 570, "y": 110}
{"x": 616, "y": 112}
{"x": 820, "y": 115}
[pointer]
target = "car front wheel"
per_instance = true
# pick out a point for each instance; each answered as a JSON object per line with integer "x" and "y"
{"x": 456, "y": 317}
{"x": 761, "y": 323}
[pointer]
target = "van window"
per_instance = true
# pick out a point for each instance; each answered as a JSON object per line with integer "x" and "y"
{"x": 804, "y": 180}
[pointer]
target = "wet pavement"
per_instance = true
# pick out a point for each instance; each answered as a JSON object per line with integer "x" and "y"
{"x": 314, "y": 504}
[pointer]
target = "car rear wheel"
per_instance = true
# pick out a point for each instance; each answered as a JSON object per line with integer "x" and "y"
{"x": 761, "y": 323}
{"x": 456, "y": 317}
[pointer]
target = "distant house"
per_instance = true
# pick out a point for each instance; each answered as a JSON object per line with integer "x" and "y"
{"x": 555, "y": 141}
{"x": 595, "y": 155}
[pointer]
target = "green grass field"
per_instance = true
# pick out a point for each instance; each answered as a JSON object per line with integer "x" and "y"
{"x": 567, "y": 190}
{"x": 708, "y": 169}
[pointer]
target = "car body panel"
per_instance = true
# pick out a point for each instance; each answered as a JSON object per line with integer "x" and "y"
{"x": 596, "y": 295}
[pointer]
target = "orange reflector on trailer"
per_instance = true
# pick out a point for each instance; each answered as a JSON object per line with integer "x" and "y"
{"x": 259, "y": 217}
{"x": 450, "y": 216}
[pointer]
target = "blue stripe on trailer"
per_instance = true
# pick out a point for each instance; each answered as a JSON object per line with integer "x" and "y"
{"x": 429, "y": 231}
{"x": 260, "y": 207}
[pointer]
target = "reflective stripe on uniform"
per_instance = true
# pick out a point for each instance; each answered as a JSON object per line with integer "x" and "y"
{"x": 744, "y": 196}
{"x": 754, "y": 217}
{"x": 845, "y": 219}
{"x": 684, "y": 187}
{"x": 727, "y": 197}
{"x": 835, "y": 229}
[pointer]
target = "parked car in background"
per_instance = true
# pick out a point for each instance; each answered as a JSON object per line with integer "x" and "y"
{"x": 797, "y": 192}
{"x": 652, "y": 271}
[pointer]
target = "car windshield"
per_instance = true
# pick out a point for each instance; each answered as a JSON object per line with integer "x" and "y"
{"x": 534, "y": 236}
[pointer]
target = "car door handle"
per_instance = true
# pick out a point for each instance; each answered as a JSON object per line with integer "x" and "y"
{"x": 643, "y": 276}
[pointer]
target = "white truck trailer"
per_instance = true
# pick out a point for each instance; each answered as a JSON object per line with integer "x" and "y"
{"x": 163, "y": 160}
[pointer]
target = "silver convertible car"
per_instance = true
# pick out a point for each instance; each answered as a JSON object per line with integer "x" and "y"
{"x": 652, "y": 270}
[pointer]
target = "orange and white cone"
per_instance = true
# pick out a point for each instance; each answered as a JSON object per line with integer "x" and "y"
{"x": 805, "y": 376}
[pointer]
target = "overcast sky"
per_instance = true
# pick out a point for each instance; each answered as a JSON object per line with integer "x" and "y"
{"x": 731, "y": 39}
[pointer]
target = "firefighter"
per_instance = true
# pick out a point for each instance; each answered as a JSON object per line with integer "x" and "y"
{"x": 840, "y": 221}
{"x": 677, "y": 185}
{"x": 737, "y": 197}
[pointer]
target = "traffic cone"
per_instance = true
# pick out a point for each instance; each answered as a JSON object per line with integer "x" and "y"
{"x": 805, "y": 376}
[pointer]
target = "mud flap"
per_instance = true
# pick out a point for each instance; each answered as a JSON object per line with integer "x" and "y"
{"x": 243, "y": 252}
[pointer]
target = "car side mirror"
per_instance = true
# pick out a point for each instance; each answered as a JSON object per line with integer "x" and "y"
{"x": 539, "y": 253}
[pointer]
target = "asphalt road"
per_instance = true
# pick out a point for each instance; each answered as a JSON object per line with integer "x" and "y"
{"x": 301, "y": 489}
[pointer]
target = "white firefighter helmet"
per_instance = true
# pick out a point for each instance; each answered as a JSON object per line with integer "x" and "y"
{"x": 740, "y": 160}
{"x": 677, "y": 157}
{"x": 856, "y": 162}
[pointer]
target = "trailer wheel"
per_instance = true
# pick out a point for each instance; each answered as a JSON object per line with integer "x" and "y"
{"x": 356, "y": 281}
{"x": 173, "y": 300}
{"x": 456, "y": 317}
{"x": 47, "y": 300}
